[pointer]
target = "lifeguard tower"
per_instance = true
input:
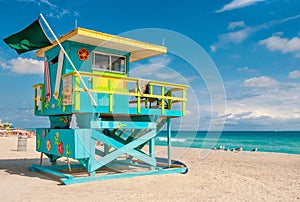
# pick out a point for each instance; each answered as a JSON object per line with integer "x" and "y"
{"x": 99, "y": 116}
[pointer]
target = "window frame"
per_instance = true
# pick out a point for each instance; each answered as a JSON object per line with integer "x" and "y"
{"x": 109, "y": 62}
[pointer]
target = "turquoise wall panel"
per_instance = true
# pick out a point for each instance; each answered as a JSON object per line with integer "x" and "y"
{"x": 120, "y": 104}
{"x": 75, "y": 144}
{"x": 86, "y": 66}
{"x": 56, "y": 142}
{"x": 85, "y": 145}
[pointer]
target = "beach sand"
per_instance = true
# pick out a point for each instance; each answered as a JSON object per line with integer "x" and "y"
{"x": 212, "y": 176}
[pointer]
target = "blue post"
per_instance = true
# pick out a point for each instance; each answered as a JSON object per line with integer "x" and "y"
{"x": 169, "y": 141}
{"x": 151, "y": 149}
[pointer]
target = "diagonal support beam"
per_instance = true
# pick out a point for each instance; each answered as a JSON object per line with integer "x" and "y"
{"x": 122, "y": 149}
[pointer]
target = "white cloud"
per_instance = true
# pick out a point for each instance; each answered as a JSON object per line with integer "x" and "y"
{"x": 235, "y": 4}
{"x": 149, "y": 69}
{"x": 234, "y": 25}
{"x": 284, "y": 45}
{"x": 158, "y": 68}
{"x": 260, "y": 82}
{"x": 59, "y": 14}
{"x": 237, "y": 36}
{"x": 213, "y": 48}
{"x": 246, "y": 69}
{"x": 24, "y": 66}
{"x": 48, "y": 3}
{"x": 166, "y": 76}
{"x": 294, "y": 74}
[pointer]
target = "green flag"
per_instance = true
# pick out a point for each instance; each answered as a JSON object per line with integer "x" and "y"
{"x": 31, "y": 38}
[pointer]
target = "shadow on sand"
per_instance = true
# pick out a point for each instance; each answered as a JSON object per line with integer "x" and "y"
{"x": 21, "y": 167}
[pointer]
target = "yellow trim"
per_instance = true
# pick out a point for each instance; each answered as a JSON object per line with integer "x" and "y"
{"x": 110, "y": 95}
{"x": 169, "y": 94}
{"x": 96, "y": 37}
{"x": 151, "y": 89}
{"x": 129, "y": 79}
{"x": 163, "y": 100}
{"x": 35, "y": 100}
{"x": 138, "y": 104}
{"x": 131, "y": 94}
{"x": 111, "y": 89}
{"x": 108, "y": 74}
{"x": 36, "y": 85}
{"x": 184, "y": 103}
{"x": 76, "y": 94}
{"x": 121, "y": 40}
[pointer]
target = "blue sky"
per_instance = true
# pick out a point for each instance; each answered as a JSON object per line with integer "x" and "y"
{"x": 254, "y": 44}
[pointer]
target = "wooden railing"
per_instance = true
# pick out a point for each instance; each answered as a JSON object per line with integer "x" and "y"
{"x": 162, "y": 92}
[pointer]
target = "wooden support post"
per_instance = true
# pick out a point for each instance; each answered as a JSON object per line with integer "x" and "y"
{"x": 42, "y": 97}
{"x": 35, "y": 100}
{"x": 152, "y": 150}
{"x": 139, "y": 104}
{"x": 139, "y": 101}
{"x": 41, "y": 159}
{"x": 169, "y": 93}
{"x": 169, "y": 140}
{"x": 163, "y": 100}
{"x": 110, "y": 95}
{"x": 106, "y": 149}
{"x": 151, "y": 89}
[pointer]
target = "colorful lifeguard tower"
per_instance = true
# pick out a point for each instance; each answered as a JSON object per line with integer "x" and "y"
{"x": 99, "y": 116}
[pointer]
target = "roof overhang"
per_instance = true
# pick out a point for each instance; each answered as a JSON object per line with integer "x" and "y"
{"x": 138, "y": 50}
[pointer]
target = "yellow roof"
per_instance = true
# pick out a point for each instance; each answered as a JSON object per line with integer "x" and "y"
{"x": 139, "y": 50}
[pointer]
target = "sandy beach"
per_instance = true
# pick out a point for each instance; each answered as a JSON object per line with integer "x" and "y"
{"x": 212, "y": 176}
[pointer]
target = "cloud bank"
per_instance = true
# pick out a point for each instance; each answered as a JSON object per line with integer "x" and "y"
{"x": 263, "y": 103}
{"x": 23, "y": 66}
{"x": 239, "y": 36}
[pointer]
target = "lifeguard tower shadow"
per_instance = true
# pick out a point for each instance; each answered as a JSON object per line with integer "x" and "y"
{"x": 20, "y": 167}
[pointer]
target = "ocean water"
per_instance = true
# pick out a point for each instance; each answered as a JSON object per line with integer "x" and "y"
{"x": 264, "y": 141}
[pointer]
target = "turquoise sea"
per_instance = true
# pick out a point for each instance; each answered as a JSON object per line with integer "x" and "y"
{"x": 264, "y": 141}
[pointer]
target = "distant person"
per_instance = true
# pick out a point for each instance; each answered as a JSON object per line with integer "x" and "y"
{"x": 254, "y": 150}
{"x": 239, "y": 148}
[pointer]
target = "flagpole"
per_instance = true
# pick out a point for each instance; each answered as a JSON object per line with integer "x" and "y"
{"x": 67, "y": 56}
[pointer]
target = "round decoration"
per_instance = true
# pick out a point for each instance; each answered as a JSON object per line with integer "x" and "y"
{"x": 60, "y": 148}
{"x": 48, "y": 144}
{"x": 44, "y": 133}
{"x": 83, "y": 54}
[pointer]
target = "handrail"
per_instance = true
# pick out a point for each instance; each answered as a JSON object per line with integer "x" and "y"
{"x": 131, "y": 94}
{"x": 160, "y": 93}
{"x": 130, "y": 79}
{"x": 165, "y": 93}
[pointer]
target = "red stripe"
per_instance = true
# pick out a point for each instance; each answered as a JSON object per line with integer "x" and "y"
{"x": 47, "y": 77}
